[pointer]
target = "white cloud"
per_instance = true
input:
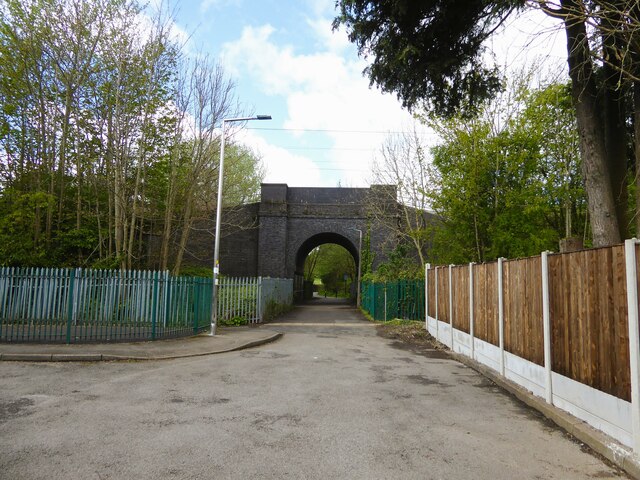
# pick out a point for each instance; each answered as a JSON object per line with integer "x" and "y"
{"x": 206, "y": 5}
{"x": 281, "y": 165}
{"x": 324, "y": 90}
{"x": 334, "y": 41}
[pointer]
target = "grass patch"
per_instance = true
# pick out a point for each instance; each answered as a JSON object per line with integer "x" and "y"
{"x": 411, "y": 332}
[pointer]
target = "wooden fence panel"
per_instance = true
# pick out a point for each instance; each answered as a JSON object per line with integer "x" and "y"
{"x": 485, "y": 305}
{"x": 443, "y": 294}
{"x": 432, "y": 292}
{"x": 588, "y": 304}
{"x": 522, "y": 300}
{"x": 460, "y": 281}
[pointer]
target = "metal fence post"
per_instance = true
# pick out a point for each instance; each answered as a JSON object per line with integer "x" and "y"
{"x": 259, "y": 308}
{"x": 385, "y": 301}
{"x": 634, "y": 338}
{"x": 72, "y": 275}
{"x": 154, "y": 306}
{"x": 501, "y": 316}
{"x": 197, "y": 307}
{"x": 165, "y": 299}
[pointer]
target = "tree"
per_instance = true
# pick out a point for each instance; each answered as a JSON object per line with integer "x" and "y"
{"x": 430, "y": 53}
{"x": 108, "y": 134}
{"x": 508, "y": 184}
{"x": 330, "y": 263}
{"x": 206, "y": 96}
{"x": 548, "y": 118}
{"x": 404, "y": 162}
{"x": 310, "y": 265}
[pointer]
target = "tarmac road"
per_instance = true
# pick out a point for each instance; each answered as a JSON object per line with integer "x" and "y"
{"x": 330, "y": 400}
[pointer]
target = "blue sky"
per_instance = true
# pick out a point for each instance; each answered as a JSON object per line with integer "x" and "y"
{"x": 328, "y": 124}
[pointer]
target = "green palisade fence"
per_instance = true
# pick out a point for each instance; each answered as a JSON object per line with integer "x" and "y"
{"x": 76, "y": 305}
{"x": 398, "y": 299}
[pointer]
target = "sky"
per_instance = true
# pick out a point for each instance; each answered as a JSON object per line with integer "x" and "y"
{"x": 328, "y": 123}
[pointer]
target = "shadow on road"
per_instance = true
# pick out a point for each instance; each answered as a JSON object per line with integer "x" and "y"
{"x": 322, "y": 301}
{"x": 322, "y": 312}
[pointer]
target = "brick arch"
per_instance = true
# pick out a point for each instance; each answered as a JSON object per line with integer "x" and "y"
{"x": 270, "y": 238}
{"x": 320, "y": 239}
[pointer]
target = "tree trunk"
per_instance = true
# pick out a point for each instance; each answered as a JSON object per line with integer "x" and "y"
{"x": 596, "y": 175}
{"x": 615, "y": 131}
{"x": 165, "y": 247}
{"x": 184, "y": 236}
{"x": 636, "y": 135}
{"x": 64, "y": 138}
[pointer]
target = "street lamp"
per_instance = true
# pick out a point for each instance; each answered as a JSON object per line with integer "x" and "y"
{"x": 216, "y": 252}
{"x": 359, "y": 266}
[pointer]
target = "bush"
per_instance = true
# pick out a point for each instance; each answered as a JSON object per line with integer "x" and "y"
{"x": 273, "y": 310}
{"x": 234, "y": 322}
{"x": 196, "y": 271}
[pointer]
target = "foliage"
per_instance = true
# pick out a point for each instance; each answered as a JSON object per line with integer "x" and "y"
{"x": 510, "y": 191}
{"x": 400, "y": 266}
{"x": 196, "y": 271}
{"x": 428, "y": 52}
{"x": 404, "y": 163}
{"x": 399, "y": 322}
{"x": 331, "y": 263}
{"x": 310, "y": 265}
{"x": 367, "y": 255}
{"x": 108, "y": 133}
{"x": 18, "y": 212}
{"x": 233, "y": 322}
{"x": 431, "y": 53}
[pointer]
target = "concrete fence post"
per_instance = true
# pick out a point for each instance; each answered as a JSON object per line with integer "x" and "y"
{"x": 436, "y": 300}
{"x": 427, "y": 267}
{"x": 634, "y": 339}
{"x": 471, "y": 319}
{"x": 451, "y": 307}
{"x": 501, "y": 315}
{"x": 546, "y": 326}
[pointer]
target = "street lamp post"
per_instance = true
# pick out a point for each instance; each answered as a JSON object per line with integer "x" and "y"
{"x": 216, "y": 251}
{"x": 359, "y": 266}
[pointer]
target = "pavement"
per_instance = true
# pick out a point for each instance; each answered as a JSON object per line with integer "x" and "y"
{"x": 226, "y": 340}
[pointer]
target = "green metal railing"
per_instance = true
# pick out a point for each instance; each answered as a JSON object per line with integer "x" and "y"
{"x": 76, "y": 305}
{"x": 399, "y": 299}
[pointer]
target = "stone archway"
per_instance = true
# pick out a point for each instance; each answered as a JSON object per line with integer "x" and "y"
{"x": 303, "y": 288}
{"x": 322, "y": 239}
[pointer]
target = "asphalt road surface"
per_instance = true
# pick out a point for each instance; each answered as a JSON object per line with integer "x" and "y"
{"x": 331, "y": 400}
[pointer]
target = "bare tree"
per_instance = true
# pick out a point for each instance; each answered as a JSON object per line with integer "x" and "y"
{"x": 207, "y": 97}
{"x": 404, "y": 162}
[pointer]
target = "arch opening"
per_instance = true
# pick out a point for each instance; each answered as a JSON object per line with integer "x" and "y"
{"x": 331, "y": 264}
{"x": 320, "y": 239}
